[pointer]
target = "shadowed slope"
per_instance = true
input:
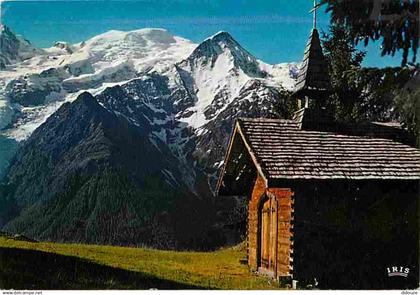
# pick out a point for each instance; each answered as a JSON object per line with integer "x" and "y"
{"x": 30, "y": 269}
{"x": 122, "y": 267}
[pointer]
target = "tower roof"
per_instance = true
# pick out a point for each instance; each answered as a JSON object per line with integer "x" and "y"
{"x": 313, "y": 79}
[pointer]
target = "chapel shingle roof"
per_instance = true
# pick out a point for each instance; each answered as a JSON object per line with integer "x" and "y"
{"x": 284, "y": 151}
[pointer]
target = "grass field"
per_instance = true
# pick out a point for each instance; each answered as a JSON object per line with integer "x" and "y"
{"x": 28, "y": 265}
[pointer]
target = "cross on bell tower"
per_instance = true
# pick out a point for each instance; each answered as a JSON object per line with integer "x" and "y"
{"x": 314, "y": 10}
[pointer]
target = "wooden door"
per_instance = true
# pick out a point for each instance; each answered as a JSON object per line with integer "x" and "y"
{"x": 265, "y": 234}
{"x": 268, "y": 232}
{"x": 273, "y": 235}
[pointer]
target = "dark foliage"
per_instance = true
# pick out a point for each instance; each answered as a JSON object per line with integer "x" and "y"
{"x": 407, "y": 104}
{"x": 286, "y": 106}
{"x": 344, "y": 69}
{"x": 395, "y": 22}
{"x": 359, "y": 94}
{"x": 8, "y": 207}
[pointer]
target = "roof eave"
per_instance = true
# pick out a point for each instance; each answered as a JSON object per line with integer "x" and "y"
{"x": 227, "y": 155}
{"x": 254, "y": 158}
{"x": 274, "y": 182}
{"x": 237, "y": 130}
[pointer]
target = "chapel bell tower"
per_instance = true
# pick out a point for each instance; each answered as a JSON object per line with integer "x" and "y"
{"x": 313, "y": 81}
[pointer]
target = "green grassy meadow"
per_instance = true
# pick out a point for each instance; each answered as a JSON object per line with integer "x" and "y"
{"x": 41, "y": 265}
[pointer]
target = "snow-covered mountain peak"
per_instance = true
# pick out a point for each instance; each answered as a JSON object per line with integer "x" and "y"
{"x": 157, "y": 36}
{"x": 222, "y": 44}
{"x": 218, "y": 69}
{"x": 221, "y": 36}
{"x": 142, "y": 37}
{"x": 183, "y": 96}
{"x": 146, "y": 48}
{"x": 194, "y": 83}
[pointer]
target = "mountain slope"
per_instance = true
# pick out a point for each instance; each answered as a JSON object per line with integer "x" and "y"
{"x": 191, "y": 105}
{"x": 180, "y": 93}
{"x": 137, "y": 162}
{"x": 35, "y": 87}
{"x": 213, "y": 72}
{"x": 88, "y": 175}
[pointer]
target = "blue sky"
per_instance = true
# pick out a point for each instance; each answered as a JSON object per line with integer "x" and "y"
{"x": 272, "y": 30}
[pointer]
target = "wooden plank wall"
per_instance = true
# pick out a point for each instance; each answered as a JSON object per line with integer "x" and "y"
{"x": 285, "y": 231}
{"x": 353, "y": 230}
{"x": 284, "y": 228}
{"x": 252, "y": 245}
